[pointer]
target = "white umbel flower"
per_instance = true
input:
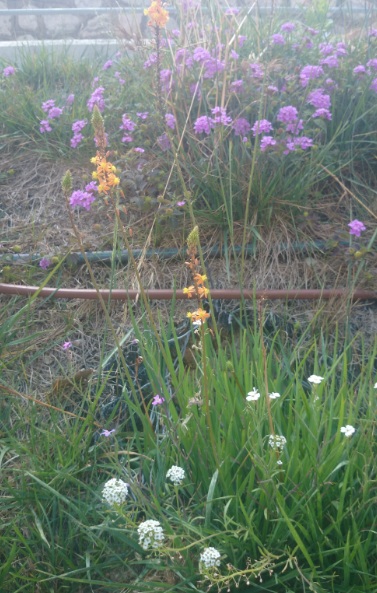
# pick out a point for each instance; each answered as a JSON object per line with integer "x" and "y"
{"x": 348, "y": 430}
{"x": 277, "y": 441}
{"x": 316, "y": 379}
{"x": 115, "y": 491}
{"x": 253, "y": 395}
{"x": 176, "y": 474}
{"x": 209, "y": 558}
{"x": 151, "y": 534}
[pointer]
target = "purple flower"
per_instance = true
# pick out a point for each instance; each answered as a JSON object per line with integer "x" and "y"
{"x": 201, "y": 54}
{"x": 322, "y": 113}
{"x": 8, "y": 71}
{"x": 359, "y": 69}
{"x": 372, "y": 64}
{"x": 152, "y": 59}
{"x": 295, "y": 126}
{"x": 54, "y": 113}
{"x": 45, "y": 263}
{"x": 241, "y": 126}
{"x": 278, "y": 39}
{"x": 232, "y": 11}
{"x": 303, "y": 142}
{"x": 356, "y": 227}
{"x": 289, "y": 27}
{"x": 170, "y": 121}
{"x": 143, "y": 115}
{"x": 107, "y": 433}
{"x": 256, "y": 70}
{"x": 47, "y": 105}
{"x": 70, "y": 99}
{"x": 272, "y": 88}
{"x": 236, "y": 86}
{"x": 234, "y": 55}
{"x": 341, "y": 49}
{"x": 166, "y": 80}
{"x": 157, "y": 400}
{"x": 107, "y": 65}
{"x": 212, "y": 67}
{"x": 175, "y": 32}
{"x": 287, "y": 114}
{"x": 373, "y": 86}
{"x": 127, "y": 124}
{"x": 204, "y": 124}
{"x": 44, "y": 126}
{"x": 164, "y": 142}
{"x": 127, "y": 138}
{"x": 262, "y": 126}
{"x": 91, "y": 187}
{"x": 67, "y": 345}
{"x": 330, "y": 62}
{"x": 119, "y": 78}
{"x": 319, "y": 100}
{"x": 220, "y": 116}
{"x": 81, "y": 198}
{"x": 79, "y": 125}
{"x": 96, "y": 98}
{"x": 312, "y": 31}
{"x": 140, "y": 150}
{"x": 325, "y": 49}
{"x": 181, "y": 203}
{"x": 241, "y": 40}
{"x": 373, "y": 33}
{"x": 310, "y": 72}
{"x": 267, "y": 141}
{"x": 76, "y": 139}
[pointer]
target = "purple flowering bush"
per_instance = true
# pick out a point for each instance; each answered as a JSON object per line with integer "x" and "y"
{"x": 254, "y": 114}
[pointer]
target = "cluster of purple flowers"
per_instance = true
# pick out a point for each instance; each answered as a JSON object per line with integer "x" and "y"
{"x": 84, "y": 199}
{"x": 52, "y": 112}
{"x": 96, "y": 98}
{"x": 127, "y": 126}
{"x": 8, "y": 71}
{"x": 77, "y": 127}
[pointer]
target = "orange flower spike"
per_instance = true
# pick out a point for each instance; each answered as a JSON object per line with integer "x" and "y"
{"x": 158, "y": 16}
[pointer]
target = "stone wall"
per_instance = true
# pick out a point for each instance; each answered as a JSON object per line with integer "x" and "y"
{"x": 25, "y": 27}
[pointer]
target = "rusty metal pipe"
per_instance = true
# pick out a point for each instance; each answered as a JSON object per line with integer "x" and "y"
{"x": 168, "y": 294}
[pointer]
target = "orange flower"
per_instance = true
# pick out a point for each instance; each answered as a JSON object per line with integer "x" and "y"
{"x": 190, "y": 291}
{"x": 157, "y": 14}
{"x": 200, "y": 278}
{"x": 198, "y": 315}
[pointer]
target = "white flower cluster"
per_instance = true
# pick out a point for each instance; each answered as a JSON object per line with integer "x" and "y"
{"x": 253, "y": 395}
{"x": 316, "y": 379}
{"x": 176, "y": 474}
{"x": 277, "y": 441}
{"x": 115, "y": 491}
{"x": 210, "y": 558}
{"x": 151, "y": 534}
{"x": 348, "y": 430}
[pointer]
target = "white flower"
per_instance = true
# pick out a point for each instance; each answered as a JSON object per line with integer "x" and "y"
{"x": 274, "y": 395}
{"x": 253, "y": 395}
{"x": 151, "y": 534}
{"x": 348, "y": 430}
{"x": 209, "y": 558}
{"x": 115, "y": 491}
{"x": 277, "y": 441}
{"x": 176, "y": 474}
{"x": 315, "y": 379}
{"x": 279, "y": 462}
{"x": 375, "y": 385}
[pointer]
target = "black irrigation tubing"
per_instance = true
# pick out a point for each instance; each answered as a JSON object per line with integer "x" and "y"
{"x": 78, "y": 259}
